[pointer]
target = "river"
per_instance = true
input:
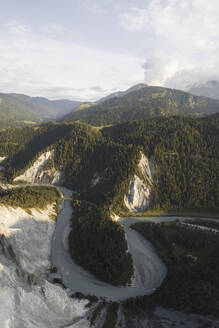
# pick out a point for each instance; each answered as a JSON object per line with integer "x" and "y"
{"x": 149, "y": 268}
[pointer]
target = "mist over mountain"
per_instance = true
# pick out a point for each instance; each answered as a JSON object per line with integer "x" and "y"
{"x": 123, "y": 93}
{"x": 208, "y": 89}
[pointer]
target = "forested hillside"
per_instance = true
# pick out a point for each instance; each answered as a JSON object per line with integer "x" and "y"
{"x": 143, "y": 104}
{"x": 30, "y": 197}
{"x": 192, "y": 260}
{"x": 98, "y": 166}
{"x": 186, "y": 158}
{"x": 81, "y": 152}
{"x": 21, "y": 110}
{"x": 99, "y": 245}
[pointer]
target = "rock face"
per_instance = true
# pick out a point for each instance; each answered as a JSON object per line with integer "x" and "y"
{"x": 139, "y": 196}
{"x": 96, "y": 178}
{"x": 147, "y": 168}
{"x": 38, "y": 173}
{"x": 115, "y": 217}
{"x": 2, "y": 159}
{"x": 2, "y": 162}
{"x": 27, "y": 298}
{"x": 19, "y": 227}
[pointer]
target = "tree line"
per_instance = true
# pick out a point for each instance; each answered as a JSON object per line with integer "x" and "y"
{"x": 30, "y": 197}
{"x": 192, "y": 260}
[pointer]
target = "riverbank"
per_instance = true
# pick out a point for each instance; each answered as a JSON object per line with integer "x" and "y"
{"x": 50, "y": 298}
{"x": 202, "y": 213}
{"x": 27, "y": 298}
{"x": 149, "y": 269}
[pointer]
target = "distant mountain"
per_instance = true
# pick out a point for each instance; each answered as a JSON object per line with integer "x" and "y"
{"x": 117, "y": 94}
{"x": 85, "y": 105}
{"x": 123, "y": 93}
{"x": 144, "y": 103}
{"x": 19, "y": 109}
{"x": 209, "y": 89}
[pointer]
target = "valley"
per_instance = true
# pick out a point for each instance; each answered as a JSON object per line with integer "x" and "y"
{"x": 148, "y": 275}
{"x": 34, "y": 272}
{"x": 22, "y": 110}
{"x": 76, "y": 190}
{"x": 109, "y": 164}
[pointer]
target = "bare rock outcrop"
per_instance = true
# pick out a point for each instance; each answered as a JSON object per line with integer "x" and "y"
{"x": 139, "y": 195}
{"x": 40, "y": 173}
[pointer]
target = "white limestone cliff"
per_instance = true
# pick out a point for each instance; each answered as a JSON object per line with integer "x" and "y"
{"x": 19, "y": 227}
{"x": 96, "y": 178}
{"x": 38, "y": 173}
{"x": 27, "y": 298}
{"x": 139, "y": 195}
{"x": 147, "y": 168}
{"x": 115, "y": 217}
{"x": 2, "y": 159}
{"x": 2, "y": 162}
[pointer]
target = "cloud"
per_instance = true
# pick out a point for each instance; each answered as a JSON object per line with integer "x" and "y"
{"x": 97, "y": 88}
{"x": 54, "y": 30}
{"x": 40, "y": 65}
{"x": 60, "y": 92}
{"x": 99, "y": 7}
{"x": 95, "y": 6}
{"x": 135, "y": 19}
{"x": 18, "y": 28}
{"x": 180, "y": 37}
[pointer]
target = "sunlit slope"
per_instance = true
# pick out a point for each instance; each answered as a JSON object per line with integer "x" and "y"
{"x": 21, "y": 110}
{"x": 145, "y": 103}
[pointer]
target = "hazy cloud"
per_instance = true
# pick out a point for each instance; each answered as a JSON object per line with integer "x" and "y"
{"x": 88, "y": 48}
{"x": 38, "y": 64}
{"x": 104, "y": 6}
{"x": 54, "y": 30}
{"x": 185, "y": 38}
{"x": 95, "y": 6}
{"x": 97, "y": 88}
{"x": 18, "y": 28}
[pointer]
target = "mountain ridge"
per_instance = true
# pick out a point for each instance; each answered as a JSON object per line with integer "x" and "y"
{"x": 20, "y": 110}
{"x": 144, "y": 103}
{"x": 99, "y": 166}
{"x": 123, "y": 93}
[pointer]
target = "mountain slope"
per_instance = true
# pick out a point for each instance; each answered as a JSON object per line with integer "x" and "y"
{"x": 98, "y": 165}
{"x": 123, "y": 93}
{"x": 166, "y": 163}
{"x": 144, "y": 103}
{"x": 14, "y": 113}
{"x": 17, "y": 109}
{"x": 172, "y": 161}
{"x": 86, "y": 105}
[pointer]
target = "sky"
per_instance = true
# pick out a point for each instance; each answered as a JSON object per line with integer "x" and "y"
{"x": 86, "y": 49}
